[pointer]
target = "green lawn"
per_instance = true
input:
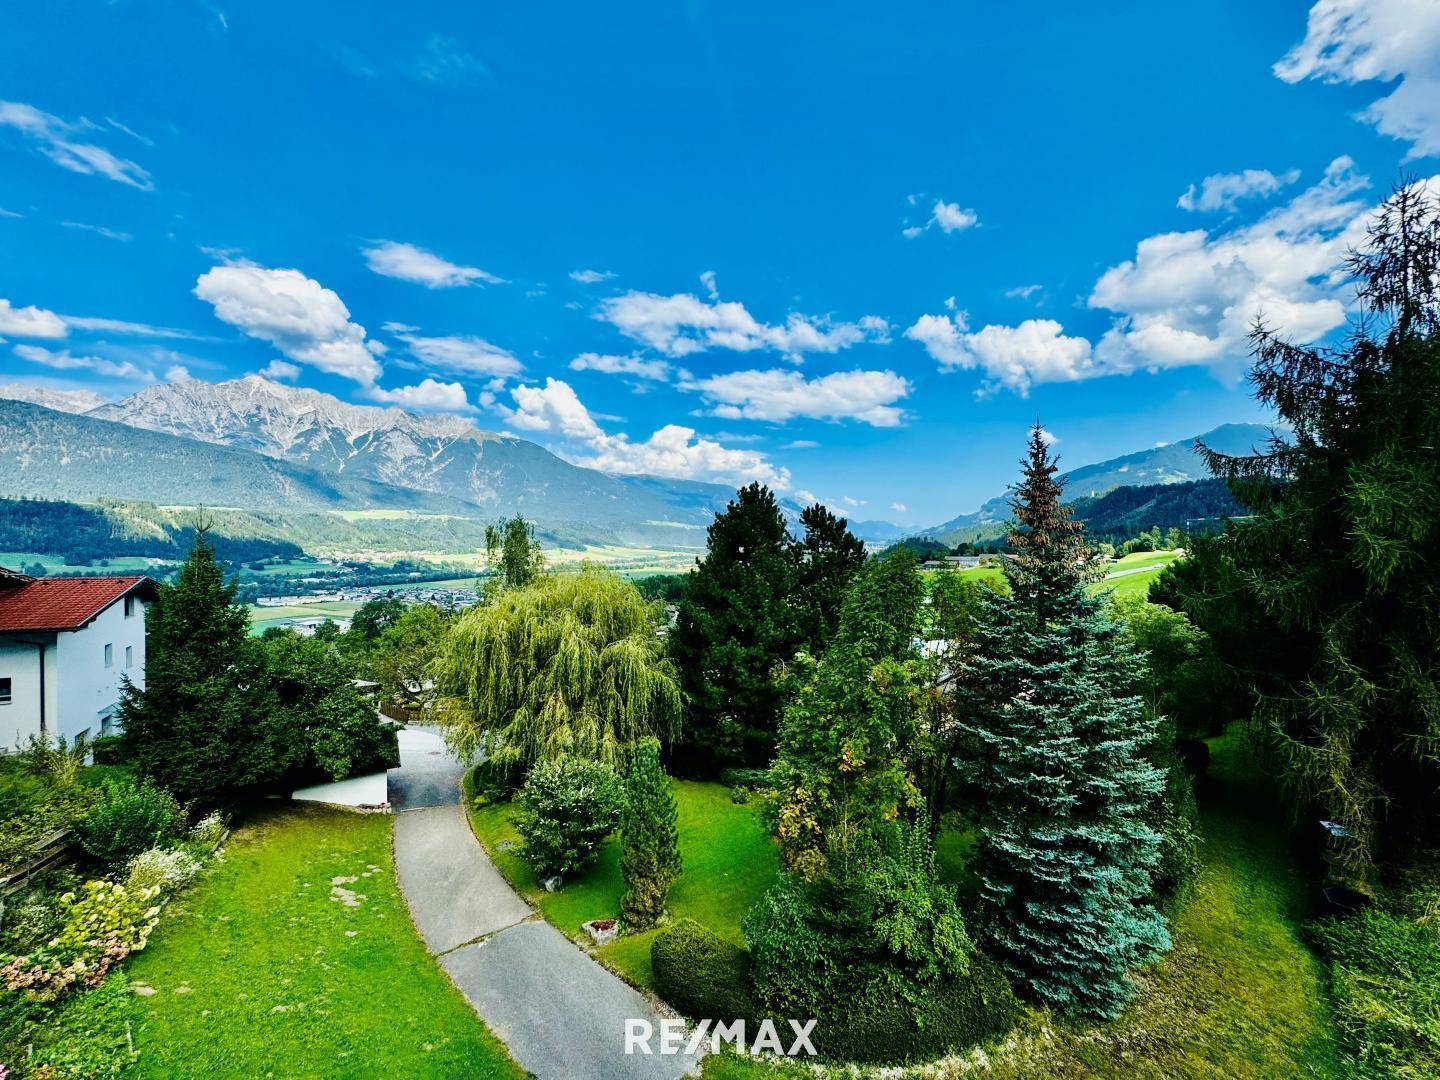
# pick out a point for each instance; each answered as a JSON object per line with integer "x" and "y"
{"x": 55, "y": 564}
{"x": 729, "y": 862}
{"x": 263, "y": 617}
{"x": 260, "y": 969}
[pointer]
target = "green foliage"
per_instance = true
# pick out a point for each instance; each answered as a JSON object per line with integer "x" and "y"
{"x": 401, "y": 658}
{"x": 667, "y": 587}
{"x": 702, "y": 974}
{"x": 705, "y": 976}
{"x": 841, "y": 774}
{"x": 737, "y": 628}
{"x": 192, "y": 729}
{"x": 104, "y": 923}
{"x": 1342, "y": 556}
{"x": 830, "y": 556}
{"x": 569, "y": 665}
{"x": 320, "y": 722}
{"x": 950, "y": 1016}
{"x": 1062, "y": 746}
{"x": 1385, "y": 980}
{"x": 1187, "y": 681}
{"x": 649, "y": 840}
{"x": 128, "y": 819}
{"x": 512, "y": 553}
{"x": 566, "y": 808}
{"x": 377, "y": 615}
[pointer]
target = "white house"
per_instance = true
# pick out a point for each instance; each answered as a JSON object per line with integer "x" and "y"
{"x": 65, "y": 645}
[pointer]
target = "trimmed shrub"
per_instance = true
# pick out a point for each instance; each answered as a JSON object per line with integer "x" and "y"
{"x": 567, "y": 808}
{"x": 650, "y": 840}
{"x": 163, "y": 869}
{"x": 705, "y": 976}
{"x": 977, "y": 1006}
{"x": 128, "y": 819}
{"x": 702, "y": 974}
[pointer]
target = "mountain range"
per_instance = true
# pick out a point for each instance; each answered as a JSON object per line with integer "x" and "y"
{"x": 1172, "y": 463}
{"x": 255, "y": 443}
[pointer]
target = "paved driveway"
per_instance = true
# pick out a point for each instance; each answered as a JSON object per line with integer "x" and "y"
{"x": 429, "y": 775}
{"x": 562, "y": 1015}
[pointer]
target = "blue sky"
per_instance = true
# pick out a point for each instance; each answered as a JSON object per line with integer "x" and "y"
{"x": 852, "y": 249}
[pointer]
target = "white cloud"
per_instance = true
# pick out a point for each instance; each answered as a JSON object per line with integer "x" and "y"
{"x": 462, "y": 354}
{"x": 778, "y": 395}
{"x": 683, "y": 324}
{"x": 707, "y": 278}
{"x": 590, "y": 277}
{"x": 636, "y": 366}
{"x": 282, "y": 370}
{"x": 427, "y": 396}
{"x": 31, "y": 322}
{"x": 677, "y": 451}
{"x": 673, "y": 451}
{"x": 1049, "y": 438}
{"x": 899, "y": 507}
{"x": 553, "y": 408}
{"x": 444, "y": 61}
{"x": 1036, "y": 351}
{"x": 63, "y": 143}
{"x": 64, "y": 360}
{"x": 801, "y": 444}
{"x": 1020, "y": 292}
{"x": 806, "y": 496}
{"x": 1397, "y": 41}
{"x": 407, "y": 262}
{"x": 99, "y": 230}
{"x": 120, "y": 326}
{"x": 947, "y": 217}
{"x": 1192, "y": 297}
{"x": 299, "y": 316}
{"x": 1222, "y": 191}
{"x": 177, "y": 373}
{"x": 848, "y": 501}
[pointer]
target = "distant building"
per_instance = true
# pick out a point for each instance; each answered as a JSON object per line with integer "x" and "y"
{"x": 65, "y": 645}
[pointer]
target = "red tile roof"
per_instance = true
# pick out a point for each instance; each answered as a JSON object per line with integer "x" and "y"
{"x": 63, "y": 603}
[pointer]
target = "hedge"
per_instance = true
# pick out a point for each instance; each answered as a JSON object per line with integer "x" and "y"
{"x": 705, "y": 976}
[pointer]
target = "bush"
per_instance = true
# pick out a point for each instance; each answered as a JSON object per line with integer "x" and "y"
{"x": 164, "y": 869}
{"x": 977, "y": 1006}
{"x": 567, "y": 807}
{"x": 1385, "y": 980}
{"x": 705, "y": 976}
{"x": 128, "y": 819}
{"x": 104, "y": 923}
{"x": 746, "y": 779}
{"x": 701, "y": 974}
{"x": 650, "y": 842}
{"x": 208, "y": 830}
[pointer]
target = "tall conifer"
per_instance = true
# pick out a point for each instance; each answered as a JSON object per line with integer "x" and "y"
{"x": 1066, "y": 856}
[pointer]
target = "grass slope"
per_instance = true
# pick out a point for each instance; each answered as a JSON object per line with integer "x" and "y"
{"x": 729, "y": 863}
{"x": 261, "y": 970}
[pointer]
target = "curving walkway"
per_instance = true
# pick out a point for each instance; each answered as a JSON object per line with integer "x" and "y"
{"x": 561, "y": 1014}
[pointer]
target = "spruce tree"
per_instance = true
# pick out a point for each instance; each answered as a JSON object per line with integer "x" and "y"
{"x": 736, "y": 630}
{"x": 830, "y": 556}
{"x": 1066, "y": 855}
{"x": 649, "y": 839}
{"x": 201, "y": 727}
{"x": 1327, "y": 600}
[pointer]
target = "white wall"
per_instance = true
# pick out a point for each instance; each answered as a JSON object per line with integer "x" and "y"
{"x": 20, "y": 663}
{"x": 88, "y": 690}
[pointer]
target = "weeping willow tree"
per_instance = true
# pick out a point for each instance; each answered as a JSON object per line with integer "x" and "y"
{"x": 569, "y": 664}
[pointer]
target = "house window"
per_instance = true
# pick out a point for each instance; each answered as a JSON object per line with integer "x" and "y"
{"x": 129, "y": 606}
{"x": 5, "y": 692}
{"x": 109, "y": 655}
{"x": 129, "y": 656}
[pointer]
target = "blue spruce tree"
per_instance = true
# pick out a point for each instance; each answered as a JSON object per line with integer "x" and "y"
{"x": 1066, "y": 856}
